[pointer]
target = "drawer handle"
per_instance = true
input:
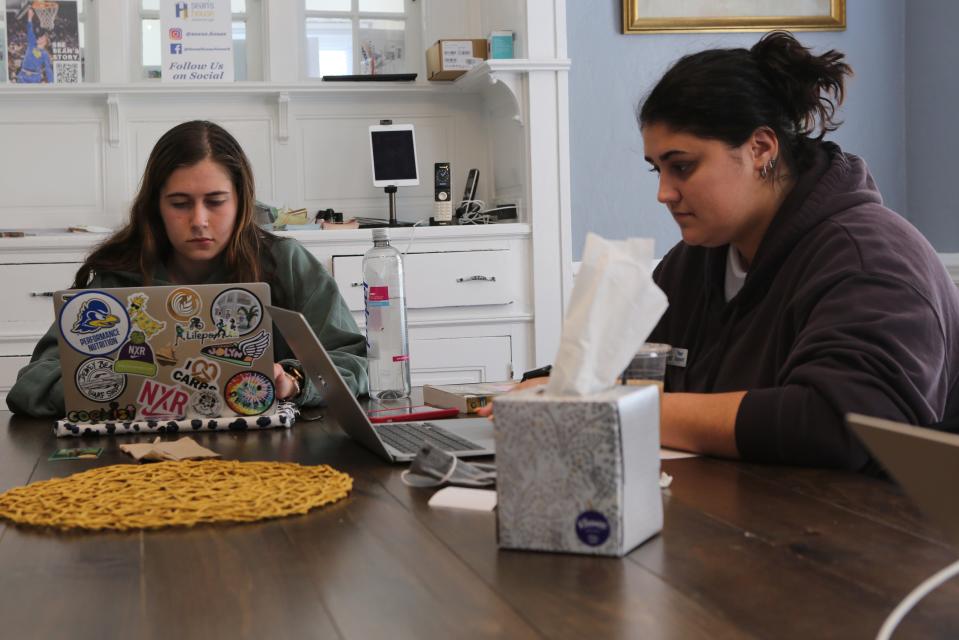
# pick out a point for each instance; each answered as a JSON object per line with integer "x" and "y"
{"x": 356, "y": 284}
{"x": 474, "y": 278}
{"x": 41, "y": 294}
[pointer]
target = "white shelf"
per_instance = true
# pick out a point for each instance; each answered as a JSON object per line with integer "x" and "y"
{"x": 493, "y": 71}
{"x": 205, "y": 88}
{"x": 61, "y": 246}
{"x": 480, "y": 79}
{"x": 507, "y": 74}
{"x": 477, "y": 79}
{"x": 502, "y": 230}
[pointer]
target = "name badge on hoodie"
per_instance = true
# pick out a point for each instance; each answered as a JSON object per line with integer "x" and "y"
{"x": 677, "y": 357}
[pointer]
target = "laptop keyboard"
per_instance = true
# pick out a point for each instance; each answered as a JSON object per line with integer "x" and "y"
{"x": 408, "y": 437}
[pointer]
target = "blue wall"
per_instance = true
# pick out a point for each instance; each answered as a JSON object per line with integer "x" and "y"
{"x": 932, "y": 90}
{"x": 614, "y": 195}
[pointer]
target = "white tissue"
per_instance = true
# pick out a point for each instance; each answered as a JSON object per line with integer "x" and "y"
{"x": 613, "y": 308}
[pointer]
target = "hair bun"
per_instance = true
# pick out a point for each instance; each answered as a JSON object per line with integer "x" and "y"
{"x": 803, "y": 82}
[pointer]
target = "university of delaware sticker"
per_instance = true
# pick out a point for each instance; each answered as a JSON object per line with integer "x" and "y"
{"x": 94, "y": 323}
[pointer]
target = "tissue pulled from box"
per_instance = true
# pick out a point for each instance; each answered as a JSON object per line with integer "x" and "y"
{"x": 613, "y": 308}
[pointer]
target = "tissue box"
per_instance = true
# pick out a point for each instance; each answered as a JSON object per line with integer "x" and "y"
{"x": 449, "y": 59}
{"x": 578, "y": 474}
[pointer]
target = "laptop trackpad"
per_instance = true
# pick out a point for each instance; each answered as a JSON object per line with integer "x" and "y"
{"x": 477, "y": 430}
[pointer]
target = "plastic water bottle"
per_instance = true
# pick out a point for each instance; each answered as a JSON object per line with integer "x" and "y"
{"x": 385, "y": 303}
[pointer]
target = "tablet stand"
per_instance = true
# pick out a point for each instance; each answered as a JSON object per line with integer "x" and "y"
{"x": 391, "y": 195}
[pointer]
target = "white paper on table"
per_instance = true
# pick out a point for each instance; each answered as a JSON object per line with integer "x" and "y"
{"x": 675, "y": 454}
{"x": 463, "y": 498}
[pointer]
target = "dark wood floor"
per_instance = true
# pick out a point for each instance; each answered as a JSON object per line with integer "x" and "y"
{"x": 747, "y": 552}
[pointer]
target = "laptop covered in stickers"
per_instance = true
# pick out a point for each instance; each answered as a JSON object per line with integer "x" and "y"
{"x": 158, "y": 356}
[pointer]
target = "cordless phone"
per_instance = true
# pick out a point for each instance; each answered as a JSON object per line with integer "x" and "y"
{"x": 442, "y": 202}
{"x": 469, "y": 194}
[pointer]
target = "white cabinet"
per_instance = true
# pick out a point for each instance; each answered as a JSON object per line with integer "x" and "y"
{"x": 470, "y": 317}
{"x": 467, "y": 291}
{"x": 31, "y": 269}
{"x": 27, "y": 308}
{"x": 479, "y": 359}
{"x": 442, "y": 279}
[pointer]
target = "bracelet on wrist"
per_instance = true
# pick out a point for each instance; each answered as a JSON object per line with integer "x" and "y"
{"x": 298, "y": 381}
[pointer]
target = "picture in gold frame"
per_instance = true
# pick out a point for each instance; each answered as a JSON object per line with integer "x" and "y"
{"x": 684, "y": 16}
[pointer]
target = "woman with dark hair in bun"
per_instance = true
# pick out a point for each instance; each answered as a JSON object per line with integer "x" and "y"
{"x": 795, "y": 295}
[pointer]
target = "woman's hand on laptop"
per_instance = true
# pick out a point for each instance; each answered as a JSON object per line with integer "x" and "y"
{"x": 487, "y": 411}
{"x": 286, "y": 385}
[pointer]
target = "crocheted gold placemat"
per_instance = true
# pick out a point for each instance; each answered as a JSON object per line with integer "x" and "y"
{"x": 174, "y": 494}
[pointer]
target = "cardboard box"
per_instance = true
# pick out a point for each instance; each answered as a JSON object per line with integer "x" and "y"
{"x": 465, "y": 397}
{"x": 578, "y": 474}
{"x": 449, "y": 59}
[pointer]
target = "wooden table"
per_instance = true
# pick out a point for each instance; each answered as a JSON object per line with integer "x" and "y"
{"x": 747, "y": 552}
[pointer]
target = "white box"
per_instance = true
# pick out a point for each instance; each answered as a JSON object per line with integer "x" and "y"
{"x": 578, "y": 474}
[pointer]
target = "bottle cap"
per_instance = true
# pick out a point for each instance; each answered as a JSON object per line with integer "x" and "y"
{"x": 381, "y": 234}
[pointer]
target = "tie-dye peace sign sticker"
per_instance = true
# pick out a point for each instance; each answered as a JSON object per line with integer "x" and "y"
{"x": 249, "y": 393}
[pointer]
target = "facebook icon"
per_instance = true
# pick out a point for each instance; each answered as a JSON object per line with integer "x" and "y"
{"x": 181, "y": 10}
{"x": 176, "y": 48}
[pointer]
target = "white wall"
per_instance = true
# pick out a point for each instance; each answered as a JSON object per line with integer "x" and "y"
{"x": 612, "y": 192}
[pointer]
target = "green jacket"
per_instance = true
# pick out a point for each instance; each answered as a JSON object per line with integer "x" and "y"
{"x": 299, "y": 282}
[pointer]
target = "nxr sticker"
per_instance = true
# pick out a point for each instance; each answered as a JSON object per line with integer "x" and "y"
{"x": 136, "y": 357}
{"x": 160, "y": 401}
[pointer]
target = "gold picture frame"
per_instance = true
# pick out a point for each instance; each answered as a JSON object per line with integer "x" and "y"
{"x": 653, "y": 16}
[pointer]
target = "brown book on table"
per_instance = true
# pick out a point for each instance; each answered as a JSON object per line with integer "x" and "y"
{"x": 465, "y": 397}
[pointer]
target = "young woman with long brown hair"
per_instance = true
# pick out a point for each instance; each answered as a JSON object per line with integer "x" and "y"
{"x": 192, "y": 222}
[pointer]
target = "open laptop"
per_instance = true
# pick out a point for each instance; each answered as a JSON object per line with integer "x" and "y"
{"x": 923, "y": 461}
{"x": 165, "y": 352}
{"x": 393, "y": 441}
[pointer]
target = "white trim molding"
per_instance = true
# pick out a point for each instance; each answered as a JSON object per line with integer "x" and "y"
{"x": 951, "y": 262}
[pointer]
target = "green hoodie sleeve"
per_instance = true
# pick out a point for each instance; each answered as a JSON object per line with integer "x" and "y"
{"x": 302, "y": 284}
{"x": 38, "y": 390}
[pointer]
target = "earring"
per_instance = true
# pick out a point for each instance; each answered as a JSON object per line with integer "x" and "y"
{"x": 767, "y": 168}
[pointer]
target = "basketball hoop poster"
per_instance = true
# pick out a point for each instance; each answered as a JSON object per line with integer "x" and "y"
{"x": 197, "y": 41}
{"x": 43, "y": 42}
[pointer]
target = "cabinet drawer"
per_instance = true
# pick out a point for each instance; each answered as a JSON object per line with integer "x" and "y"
{"x": 460, "y": 360}
{"x": 452, "y": 279}
{"x": 9, "y": 367}
{"x": 24, "y": 311}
